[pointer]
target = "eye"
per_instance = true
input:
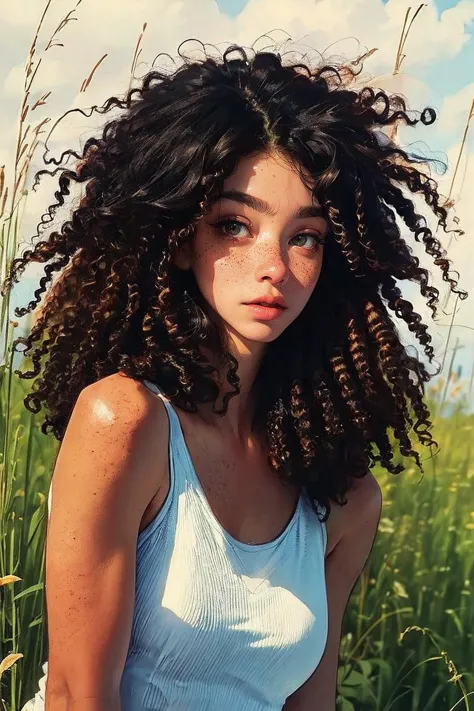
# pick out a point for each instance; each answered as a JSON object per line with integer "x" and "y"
{"x": 317, "y": 240}
{"x": 229, "y": 228}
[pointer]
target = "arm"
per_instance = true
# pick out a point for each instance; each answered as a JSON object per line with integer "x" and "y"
{"x": 101, "y": 488}
{"x": 343, "y": 567}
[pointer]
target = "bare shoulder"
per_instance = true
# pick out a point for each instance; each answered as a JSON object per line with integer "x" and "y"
{"x": 362, "y": 511}
{"x": 118, "y": 420}
{"x": 364, "y": 499}
{"x": 122, "y": 401}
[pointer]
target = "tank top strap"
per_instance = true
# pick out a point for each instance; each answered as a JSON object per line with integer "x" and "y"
{"x": 175, "y": 425}
{"x": 179, "y": 470}
{"x": 155, "y": 389}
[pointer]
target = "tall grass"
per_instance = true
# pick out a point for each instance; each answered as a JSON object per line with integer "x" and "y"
{"x": 408, "y": 635}
{"x": 410, "y": 625}
{"x": 26, "y": 455}
{"x": 23, "y": 517}
{"x": 408, "y": 632}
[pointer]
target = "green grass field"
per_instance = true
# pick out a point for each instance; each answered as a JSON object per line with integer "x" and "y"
{"x": 408, "y": 639}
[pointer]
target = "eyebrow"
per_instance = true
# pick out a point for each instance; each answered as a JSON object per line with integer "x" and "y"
{"x": 262, "y": 205}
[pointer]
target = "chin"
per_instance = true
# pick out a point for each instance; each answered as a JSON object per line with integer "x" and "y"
{"x": 261, "y": 333}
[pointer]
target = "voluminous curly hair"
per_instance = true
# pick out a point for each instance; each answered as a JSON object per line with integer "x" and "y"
{"x": 338, "y": 386}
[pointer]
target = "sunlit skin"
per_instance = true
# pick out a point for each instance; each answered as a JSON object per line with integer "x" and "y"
{"x": 272, "y": 252}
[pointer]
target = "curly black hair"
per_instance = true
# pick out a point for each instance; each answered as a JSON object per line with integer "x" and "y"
{"x": 338, "y": 389}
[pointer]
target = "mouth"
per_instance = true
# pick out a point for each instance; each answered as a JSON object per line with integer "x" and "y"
{"x": 275, "y": 302}
{"x": 265, "y": 311}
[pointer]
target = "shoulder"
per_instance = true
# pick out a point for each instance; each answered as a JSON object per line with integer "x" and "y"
{"x": 118, "y": 424}
{"x": 362, "y": 511}
{"x": 364, "y": 500}
{"x": 119, "y": 402}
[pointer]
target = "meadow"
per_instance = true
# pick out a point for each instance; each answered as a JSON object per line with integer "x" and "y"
{"x": 408, "y": 633}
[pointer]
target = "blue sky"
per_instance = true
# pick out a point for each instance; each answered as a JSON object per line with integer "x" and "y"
{"x": 233, "y": 7}
{"x": 440, "y": 4}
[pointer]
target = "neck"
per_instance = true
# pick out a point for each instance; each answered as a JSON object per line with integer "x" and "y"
{"x": 240, "y": 409}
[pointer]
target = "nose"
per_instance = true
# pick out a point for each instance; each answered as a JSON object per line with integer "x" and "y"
{"x": 272, "y": 266}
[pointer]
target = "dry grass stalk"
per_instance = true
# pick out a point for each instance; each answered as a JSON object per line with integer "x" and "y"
{"x": 401, "y": 56}
{"x": 88, "y": 80}
{"x": 449, "y": 201}
{"x": 85, "y": 84}
{"x": 3, "y": 200}
{"x": 137, "y": 54}
{"x": 26, "y": 145}
{"x": 31, "y": 70}
{"x": 404, "y": 36}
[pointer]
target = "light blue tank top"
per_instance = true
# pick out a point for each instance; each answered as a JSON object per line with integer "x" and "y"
{"x": 219, "y": 624}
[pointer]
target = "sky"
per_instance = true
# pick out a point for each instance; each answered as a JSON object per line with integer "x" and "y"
{"x": 437, "y": 71}
{"x": 440, "y": 77}
{"x": 234, "y": 7}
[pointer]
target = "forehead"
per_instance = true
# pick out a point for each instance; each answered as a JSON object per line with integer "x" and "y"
{"x": 270, "y": 175}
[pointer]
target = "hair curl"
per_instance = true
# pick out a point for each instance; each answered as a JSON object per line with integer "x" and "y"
{"x": 338, "y": 380}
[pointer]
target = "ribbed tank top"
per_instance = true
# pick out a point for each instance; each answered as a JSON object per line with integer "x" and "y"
{"x": 218, "y": 623}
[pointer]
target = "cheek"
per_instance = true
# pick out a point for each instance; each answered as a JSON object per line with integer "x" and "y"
{"x": 218, "y": 271}
{"x": 306, "y": 271}
{"x": 222, "y": 265}
{"x": 218, "y": 267}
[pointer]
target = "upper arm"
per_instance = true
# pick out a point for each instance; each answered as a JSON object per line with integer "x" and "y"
{"x": 343, "y": 568}
{"x": 101, "y": 487}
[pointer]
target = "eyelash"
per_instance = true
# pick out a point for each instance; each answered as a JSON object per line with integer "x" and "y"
{"x": 221, "y": 223}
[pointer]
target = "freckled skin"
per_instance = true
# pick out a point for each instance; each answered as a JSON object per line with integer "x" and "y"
{"x": 269, "y": 254}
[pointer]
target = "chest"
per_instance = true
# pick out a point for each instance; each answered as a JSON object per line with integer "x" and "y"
{"x": 249, "y": 499}
{"x": 253, "y": 628}
{"x": 271, "y": 640}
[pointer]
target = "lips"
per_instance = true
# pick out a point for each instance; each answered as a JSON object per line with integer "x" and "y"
{"x": 269, "y": 301}
{"x": 265, "y": 311}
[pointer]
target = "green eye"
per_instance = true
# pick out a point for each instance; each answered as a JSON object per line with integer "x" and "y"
{"x": 317, "y": 240}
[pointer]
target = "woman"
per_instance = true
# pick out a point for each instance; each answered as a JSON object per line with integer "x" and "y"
{"x": 224, "y": 371}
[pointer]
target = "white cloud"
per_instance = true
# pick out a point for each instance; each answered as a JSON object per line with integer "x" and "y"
{"x": 433, "y": 39}
{"x": 16, "y": 14}
{"x": 460, "y": 253}
{"x": 322, "y": 22}
{"x": 340, "y": 27}
{"x": 455, "y": 110}
{"x": 50, "y": 74}
{"x": 103, "y": 26}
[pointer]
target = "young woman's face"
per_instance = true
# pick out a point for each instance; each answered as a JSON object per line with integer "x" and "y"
{"x": 262, "y": 237}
